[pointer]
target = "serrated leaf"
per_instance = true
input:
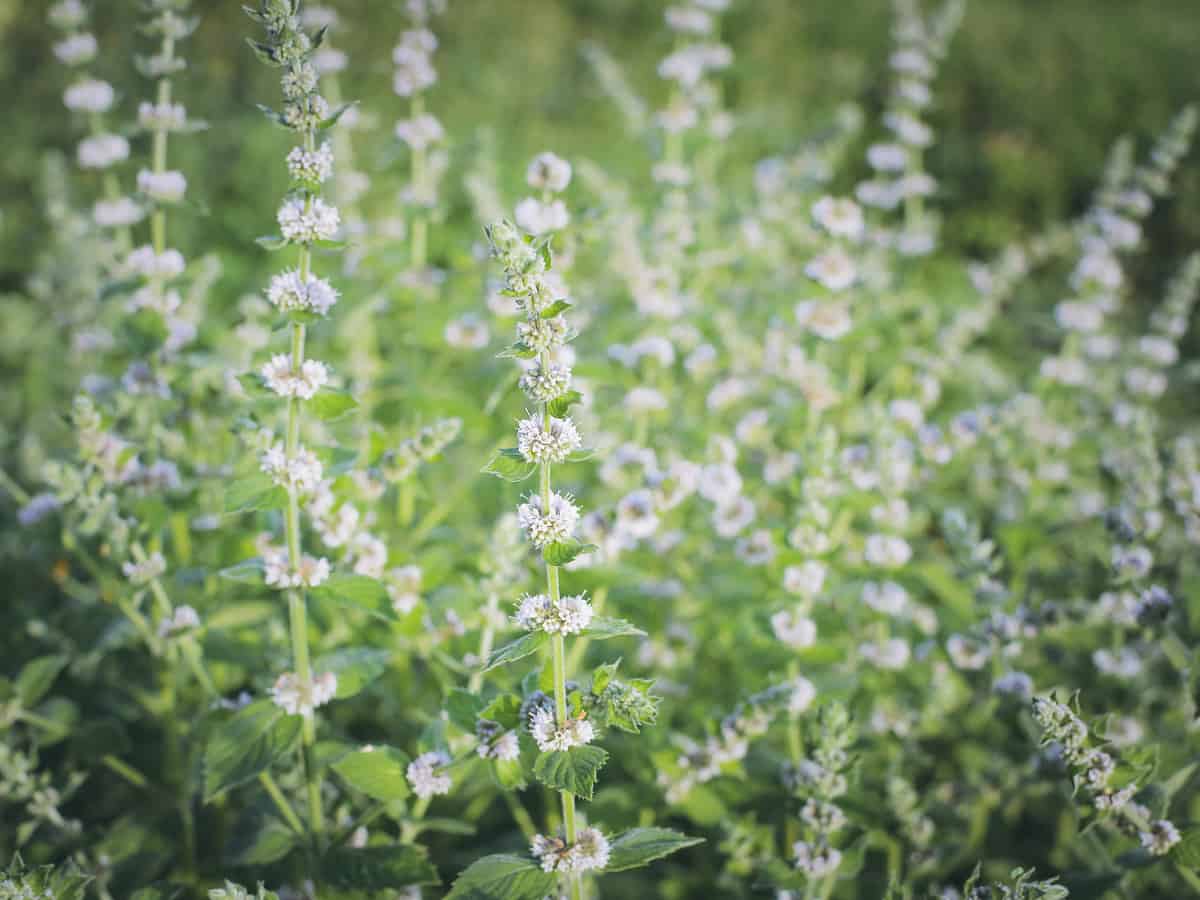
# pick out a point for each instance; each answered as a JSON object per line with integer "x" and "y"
{"x": 379, "y": 773}
{"x": 331, "y": 405}
{"x": 603, "y": 627}
{"x": 503, "y": 877}
{"x": 355, "y": 667}
{"x": 559, "y": 406}
{"x": 522, "y": 647}
{"x": 378, "y": 868}
{"x": 357, "y": 590}
{"x": 510, "y": 465}
{"x": 639, "y": 846}
{"x": 254, "y": 492}
{"x": 247, "y": 743}
{"x": 37, "y": 677}
{"x": 463, "y": 708}
{"x": 573, "y": 771}
{"x": 560, "y": 553}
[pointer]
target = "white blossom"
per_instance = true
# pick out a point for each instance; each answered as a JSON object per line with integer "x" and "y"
{"x": 165, "y": 187}
{"x": 102, "y": 151}
{"x": 548, "y": 172}
{"x": 551, "y": 736}
{"x": 567, "y": 615}
{"x": 281, "y": 378}
{"x": 293, "y": 697}
{"x": 553, "y": 443}
{"x": 555, "y": 525}
{"x": 89, "y": 95}
{"x": 288, "y": 292}
{"x": 305, "y": 221}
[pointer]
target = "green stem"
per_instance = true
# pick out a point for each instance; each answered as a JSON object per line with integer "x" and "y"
{"x": 297, "y": 612}
{"x": 281, "y": 802}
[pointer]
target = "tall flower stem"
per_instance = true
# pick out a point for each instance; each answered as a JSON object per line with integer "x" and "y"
{"x": 297, "y": 611}
{"x": 558, "y": 651}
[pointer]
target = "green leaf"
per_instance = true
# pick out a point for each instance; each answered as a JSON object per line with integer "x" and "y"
{"x": 639, "y": 846}
{"x": 256, "y": 491}
{"x": 252, "y": 384}
{"x": 37, "y": 677}
{"x": 463, "y": 707}
{"x": 248, "y": 743}
{"x": 355, "y": 667}
{"x": 271, "y": 242}
{"x": 378, "y": 773}
{"x": 515, "y": 650}
{"x": 510, "y": 465}
{"x": 573, "y": 771}
{"x": 562, "y": 552}
{"x": 503, "y": 877}
{"x": 331, "y": 405}
{"x": 519, "y": 350}
{"x": 337, "y": 114}
{"x": 558, "y": 306}
{"x": 603, "y": 627}
{"x": 357, "y": 590}
{"x": 559, "y": 406}
{"x": 258, "y": 839}
{"x": 249, "y": 571}
{"x": 378, "y": 868}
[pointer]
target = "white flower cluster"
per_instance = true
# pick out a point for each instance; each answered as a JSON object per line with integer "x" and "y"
{"x": 278, "y": 572}
{"x": 147, "y": 264}
{"x": 543, "y": 383}
{"x": 182, "y": 618}
{"x": 550, "y": 735}
{"x": 299, "y": 473}
{"x": 546, "y": 214}
{"x": 89, "y": 95}
{"x": 163, "y": 187}
{"x": 281, "y": 378}
{"x": 311, "y": 166}
{"x": 297, "y": 699}
{"x": 307, "y": 220}
{"x": 102, "y": 151}
{"x": 590, "y": 851}
{"x": 816, "y": 860}
{"x": 547, "y": 526}
{"x": 413, "y": 59}
{"x": 289, "y": 292}
{"x": 567, "y": 615}
{"x": 165, "y": 116}
{"x": 496, "y": 743}
{"x": 144, "y": 571}
{"x": 900, "y": 177}
{"x": 690, "y": 67}
{"x": 425, "y": 775}
{"x": 420, "y": 132}
{"x": 548, "y": 439}
{"x": 119, "y": 212}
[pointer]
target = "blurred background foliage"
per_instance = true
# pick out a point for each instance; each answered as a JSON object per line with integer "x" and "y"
{"x": 1033, "y": 95}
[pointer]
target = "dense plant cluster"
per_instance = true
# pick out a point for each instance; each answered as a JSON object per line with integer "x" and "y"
{"x": 710, "y": 532}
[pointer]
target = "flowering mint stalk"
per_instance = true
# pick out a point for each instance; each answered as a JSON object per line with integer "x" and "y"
{"x": 548, "y": 517}
{"x": 304, "y": 220}
{"x": 563, "y": 726}
{"x": 101, "y": 150}
{"x": 414, "y": 75}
